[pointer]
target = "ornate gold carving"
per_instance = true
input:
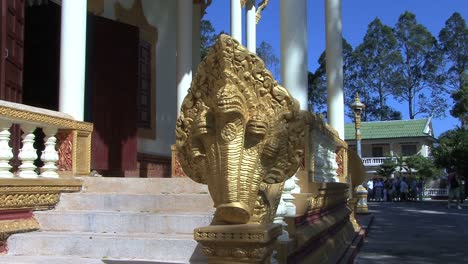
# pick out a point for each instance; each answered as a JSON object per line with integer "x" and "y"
{"x": 65, "y": 150}
{"x": 34, "y": 194}
{"x": 148, "y": 33}
{"x": 237, "y": 129}
{"x": 327, "y": 195}
{"x": 248, "y": 243}
{"x": 340, "y": 171}
{"x": 41, "y": 119}
{"x": 28, "y": 200}
{"x": 8, "y": 227}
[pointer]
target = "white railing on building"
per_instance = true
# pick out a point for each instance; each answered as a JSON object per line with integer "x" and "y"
{"x": 373, "y": 161}
{"x": 436, "y": 192}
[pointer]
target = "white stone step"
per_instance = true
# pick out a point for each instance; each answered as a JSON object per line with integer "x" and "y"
{"x": 7, "y": 259}
{"x": 168, "y": 248}
{"x": 142, "y": 185}
{"x": 135, "y": 202}
{"x": 122, "y": 222}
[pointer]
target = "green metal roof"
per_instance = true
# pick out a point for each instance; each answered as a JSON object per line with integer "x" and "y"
{"x": 389, "y": 129}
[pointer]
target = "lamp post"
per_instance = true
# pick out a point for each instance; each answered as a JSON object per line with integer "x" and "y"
{"x": 358, "y": 107}
{"x": 360, "y": 191}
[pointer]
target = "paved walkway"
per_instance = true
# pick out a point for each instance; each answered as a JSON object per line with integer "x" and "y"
{"x": 416, "y": 233}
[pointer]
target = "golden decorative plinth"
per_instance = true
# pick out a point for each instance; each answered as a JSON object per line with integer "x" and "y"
{"x": 246, "y": 243}
{"x": 8, "y": 227}
{"x": 35, "y": 194}
{"x": 361, "y": 195}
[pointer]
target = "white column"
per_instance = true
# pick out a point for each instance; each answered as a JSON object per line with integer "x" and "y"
{"x": 236, "y": 20}
{"x": 5, "y": 150}
{"x": 334, "y": 58}
{"x": 196, "y": 41}
{"x": 251, "y": 26}
{"x": 293, "y": 21}
{"x": 184, "y": 49}
{"x": 72, "y": 58}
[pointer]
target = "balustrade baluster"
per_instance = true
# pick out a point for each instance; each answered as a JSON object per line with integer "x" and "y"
{"x": 50, "y": 155}
{"x": 27, "y": 154}
{"x": 5, "y": 150}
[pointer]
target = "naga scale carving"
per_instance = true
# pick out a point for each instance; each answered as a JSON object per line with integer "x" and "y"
{"x": 240, "y": 133}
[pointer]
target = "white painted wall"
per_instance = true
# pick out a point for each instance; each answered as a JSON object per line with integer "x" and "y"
{"x": 162, "y": 15}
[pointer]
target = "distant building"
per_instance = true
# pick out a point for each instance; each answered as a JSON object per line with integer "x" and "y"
{"x": 381, "y": 139}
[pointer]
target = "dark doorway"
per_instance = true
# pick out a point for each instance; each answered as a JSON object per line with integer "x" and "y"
{"x": 112, "y": 77}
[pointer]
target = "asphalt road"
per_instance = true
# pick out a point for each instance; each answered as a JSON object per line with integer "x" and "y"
{"x": 416, "y": 233}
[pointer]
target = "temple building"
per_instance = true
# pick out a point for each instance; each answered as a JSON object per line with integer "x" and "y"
{"x": 384, "y": 139}
{"x": 95, "y": 88}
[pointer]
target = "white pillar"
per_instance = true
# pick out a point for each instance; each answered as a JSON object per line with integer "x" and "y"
{"x": 196, "y": 41}
{"x": 72, "y": 58}
{"x": 251, "y": 26}
{"x": 50, "y": 155}
{"x": 27, "y": 154}
{"x": 236, "y": 20}
{"x": 5, "y": 150}
{"x": 184, "y": 49}
{"x": 293, "y": 21}
{"x": 334, "y": 58}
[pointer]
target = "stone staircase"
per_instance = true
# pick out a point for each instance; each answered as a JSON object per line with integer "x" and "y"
{"x": 118, "y": 220}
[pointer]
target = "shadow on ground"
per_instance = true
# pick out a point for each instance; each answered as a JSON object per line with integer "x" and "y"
{"x": 416, "y": 233}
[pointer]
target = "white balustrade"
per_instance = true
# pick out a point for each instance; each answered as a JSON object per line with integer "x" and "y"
{"x": 50, "y": 155}
{"x": 297, "y": 188}
{"x": 288, "y": 198}
{"x": 27, "y": 154}
{"x": 30, "y": 118}
{"x": 5, "y": 150}
{"x": 436, "y": 192}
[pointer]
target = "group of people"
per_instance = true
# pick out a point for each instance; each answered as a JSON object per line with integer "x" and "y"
{"x": 394, "y": 190}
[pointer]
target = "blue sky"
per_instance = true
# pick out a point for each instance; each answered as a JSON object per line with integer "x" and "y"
{"x": 357, "y": 14}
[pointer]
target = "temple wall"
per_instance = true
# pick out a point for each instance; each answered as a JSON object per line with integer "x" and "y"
{"x": 326, "y": 153}
{"x": 162, "y": 15}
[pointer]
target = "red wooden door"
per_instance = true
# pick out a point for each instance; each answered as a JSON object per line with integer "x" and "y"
{"x": 113, "y": 76}
{"x": 12, "y": 43}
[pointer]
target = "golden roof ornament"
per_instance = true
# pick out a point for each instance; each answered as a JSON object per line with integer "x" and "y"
{"x": 262, "y": 5}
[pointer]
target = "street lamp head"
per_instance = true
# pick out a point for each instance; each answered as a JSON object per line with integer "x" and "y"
{"x": 357, "y": 106}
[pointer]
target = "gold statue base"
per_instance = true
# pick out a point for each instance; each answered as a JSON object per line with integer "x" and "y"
{"x": 362, "y": 209}
{"x": 246, "y": 243}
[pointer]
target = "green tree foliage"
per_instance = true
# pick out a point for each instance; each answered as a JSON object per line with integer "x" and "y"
{"x": 272, "y": 63}
{"x": 375, "y": 64}
{"x": 387, "y": 168}
{"x": 452, "y": 150}
{"x": 317, "y": 81}
{"x": 460, "y": 98}
{"x": 207, "y": 37}
{"x": 419, "y": 166}
{"x": 419, "y": 71}
{"x": 453, "y": 39}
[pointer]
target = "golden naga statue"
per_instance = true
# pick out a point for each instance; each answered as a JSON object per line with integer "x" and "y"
{"x": 240, "y": 133}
